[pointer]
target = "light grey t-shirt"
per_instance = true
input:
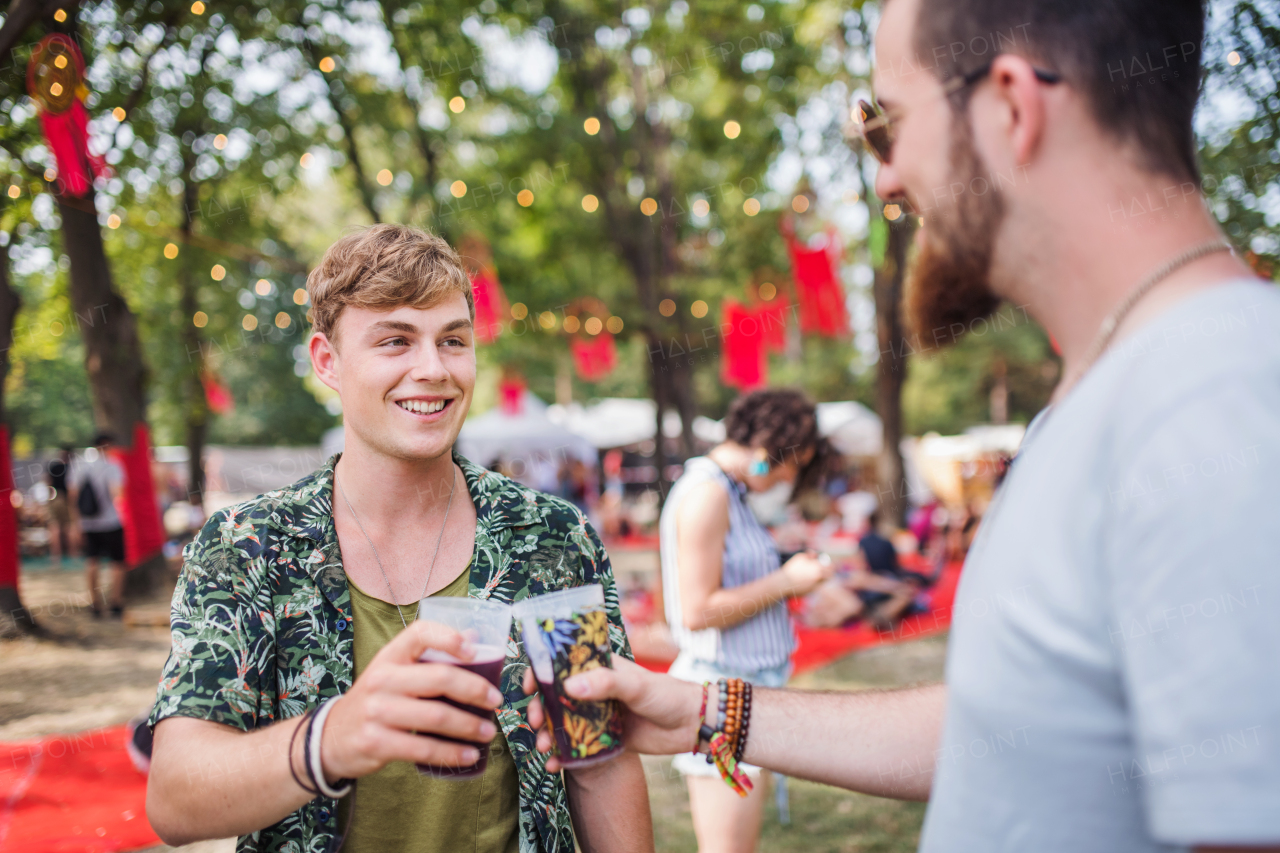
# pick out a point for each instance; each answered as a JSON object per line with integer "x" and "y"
{"x": 105, "y": 477}
{"x": 1114, "y": 663}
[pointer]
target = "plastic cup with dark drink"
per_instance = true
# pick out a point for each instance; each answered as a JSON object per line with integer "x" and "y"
{"x": 485, "y": 624}
{"x": 567, "y": 633}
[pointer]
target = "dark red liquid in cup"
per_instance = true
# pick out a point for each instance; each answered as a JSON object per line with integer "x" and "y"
{"x": 488, "y": 665}
{"x": 564, "y": 748}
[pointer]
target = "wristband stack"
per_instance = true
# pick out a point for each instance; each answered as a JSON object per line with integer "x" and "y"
{"x": 725, "y": 731}
{"x": 312, "y": 727}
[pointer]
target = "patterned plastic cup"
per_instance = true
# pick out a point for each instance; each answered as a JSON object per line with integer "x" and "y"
{"x": 566, "y": 633}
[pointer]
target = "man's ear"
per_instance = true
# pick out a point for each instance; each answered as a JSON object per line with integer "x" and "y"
{"x": 1020, "y": 100}
{"x": 324, "y": 359}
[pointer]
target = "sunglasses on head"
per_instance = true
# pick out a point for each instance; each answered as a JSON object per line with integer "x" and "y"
{"x": 877, "y": 128}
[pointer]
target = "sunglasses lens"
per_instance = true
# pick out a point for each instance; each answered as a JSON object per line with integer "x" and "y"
{"x": 875, "y": 130}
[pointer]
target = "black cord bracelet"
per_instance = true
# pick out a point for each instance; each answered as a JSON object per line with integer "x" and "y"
{"x": 336, "y": 841}
{"x": 293, "y": 738}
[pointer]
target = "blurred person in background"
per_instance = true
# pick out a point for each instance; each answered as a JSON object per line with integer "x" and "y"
{"x": 95, "y": 483}
{"x": 873, "y": 586}
{"x": 724, "y": 587}
{"x": 61, "y": 533}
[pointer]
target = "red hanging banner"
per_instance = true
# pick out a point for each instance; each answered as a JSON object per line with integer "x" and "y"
{"x": 818, "y": 290}
{"x": 491, "y": 305}
{"x": 742, "y": 350}
{"x": 140, "y": 512}
{"x": 55, "y": 81}
{"x": 511, "y": 395}
{"x": 217, "y": 394}
{"x": 594, "y": 358}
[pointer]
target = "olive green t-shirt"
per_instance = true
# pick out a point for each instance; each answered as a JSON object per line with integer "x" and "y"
{"x": 397, "y": 810}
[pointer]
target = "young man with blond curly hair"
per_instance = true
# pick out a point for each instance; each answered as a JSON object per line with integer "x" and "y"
{"x": 307, "y": 594}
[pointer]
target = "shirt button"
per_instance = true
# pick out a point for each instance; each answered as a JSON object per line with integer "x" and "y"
{"x": 324, "y": 815}
{"x": 342, "y": 624}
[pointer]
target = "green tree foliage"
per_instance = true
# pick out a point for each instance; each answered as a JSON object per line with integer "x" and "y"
{"x": 1240, "y": 128}
{"x": 253, "y": 135}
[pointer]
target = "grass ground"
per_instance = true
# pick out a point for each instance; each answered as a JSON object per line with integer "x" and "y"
{"x": 91, "y": 673}
{"x": 823, "y": 819}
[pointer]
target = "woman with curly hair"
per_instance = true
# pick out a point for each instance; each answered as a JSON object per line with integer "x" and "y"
{"x": 725, "y": 587}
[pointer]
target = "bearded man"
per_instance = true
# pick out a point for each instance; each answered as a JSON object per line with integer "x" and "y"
{"x": 1111, "y": 681}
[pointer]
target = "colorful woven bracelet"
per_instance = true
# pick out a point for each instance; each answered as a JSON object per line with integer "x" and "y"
{"x": 720, "y": 747}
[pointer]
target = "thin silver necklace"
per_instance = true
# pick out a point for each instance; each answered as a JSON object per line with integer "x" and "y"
{"x": 1112, "y": 321}
{"x": 453, "y": 484}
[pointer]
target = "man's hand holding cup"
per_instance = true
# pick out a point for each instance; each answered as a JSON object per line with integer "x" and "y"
{"x": 394, "y": 707}
{"x": 660, "y": 713}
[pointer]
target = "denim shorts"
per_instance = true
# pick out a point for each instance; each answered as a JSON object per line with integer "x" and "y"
{"x": 687, "y": 668}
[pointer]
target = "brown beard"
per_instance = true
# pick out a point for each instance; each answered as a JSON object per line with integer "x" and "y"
{"x": 948, "y": 283}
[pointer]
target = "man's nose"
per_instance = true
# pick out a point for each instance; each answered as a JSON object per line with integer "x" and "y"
{"x": 889, "y": 185}
{"x": 428, "y": 367}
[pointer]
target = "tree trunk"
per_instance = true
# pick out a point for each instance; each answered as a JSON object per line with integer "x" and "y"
{"x": 681, "y": 373}
{"x": 113, "y": 353}
{"x": 892, "y": 370}
{"x": 15, "y": 619}
{"x": 659, "y": 386}
{"x": 197, "y": 414}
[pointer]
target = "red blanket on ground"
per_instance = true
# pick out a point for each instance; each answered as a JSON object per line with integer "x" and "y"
{"x": 65, "y": 793}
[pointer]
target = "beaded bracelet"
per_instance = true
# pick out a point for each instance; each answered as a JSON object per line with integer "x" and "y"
{"x": 720, "y": 748}
{"x": 733, "y": 716}
{"x": 741, "y": 740}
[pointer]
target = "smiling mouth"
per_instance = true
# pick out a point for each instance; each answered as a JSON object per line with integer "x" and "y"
{"x": 423, "y": 407}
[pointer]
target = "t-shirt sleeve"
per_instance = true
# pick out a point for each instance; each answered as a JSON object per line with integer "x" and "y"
{"x": 115, "y": 475}
{"x": 221, "y": 649}
{"x": 1192, "y": 555}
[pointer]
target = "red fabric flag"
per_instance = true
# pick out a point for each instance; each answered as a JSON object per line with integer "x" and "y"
{"x": 68, "y": 137}
{"x": 742, "y": 350}
{"x": 55, "y": 81}
{"x": 217, "y": 394}
{"x": 511, "y": 395}
{"x": 773, "y": 323}
{"x": 140, "y": 512}
{"x": 594, "y": 358}
{"x": 8, "y": 516}
{"x": 491, "y": 306}
{"x": 818, "y": 290}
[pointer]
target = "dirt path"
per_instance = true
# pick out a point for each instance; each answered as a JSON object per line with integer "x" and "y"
{"x": 86, "y": 673}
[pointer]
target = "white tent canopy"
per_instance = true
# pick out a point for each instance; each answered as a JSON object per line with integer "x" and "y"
{"x": 853, "y": 429}
{"x": 496, "y": 434}
{"x": 622, "y": 421}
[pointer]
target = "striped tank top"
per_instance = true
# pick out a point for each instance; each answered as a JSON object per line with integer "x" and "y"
{"x": 765, "y": 640}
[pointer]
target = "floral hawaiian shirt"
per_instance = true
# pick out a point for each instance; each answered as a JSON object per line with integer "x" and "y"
{"x": 261, "y": 625}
